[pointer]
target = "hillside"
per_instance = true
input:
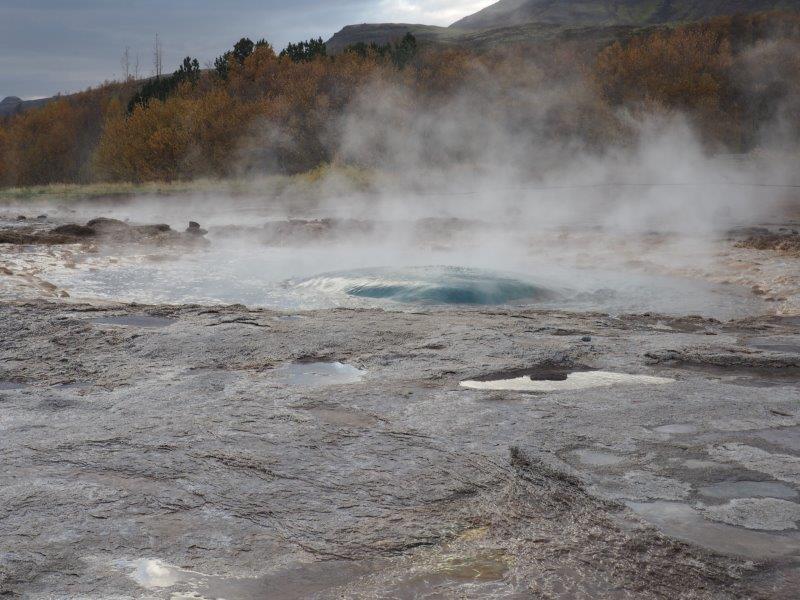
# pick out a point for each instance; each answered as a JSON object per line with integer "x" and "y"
{"x": 511, "y": 21}
{"x": 476, "y": 39}
{"x": 12, "y": 105}
{"x": 507, "y": 13}
{"x": 383, "y": 33}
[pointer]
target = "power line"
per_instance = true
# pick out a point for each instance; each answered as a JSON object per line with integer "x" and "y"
{"x": 577, "y": 186}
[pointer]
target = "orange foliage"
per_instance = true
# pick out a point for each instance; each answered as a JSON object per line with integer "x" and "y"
{"x": 274, "y": 114}
{"x": 697, "y": 69}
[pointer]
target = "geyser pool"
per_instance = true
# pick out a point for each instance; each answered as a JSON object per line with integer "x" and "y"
{"x": 318, "y": 278}
{"x": 432, "y": 285}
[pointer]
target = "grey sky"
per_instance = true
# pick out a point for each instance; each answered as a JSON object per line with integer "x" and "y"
{"x": 50, "y": 46}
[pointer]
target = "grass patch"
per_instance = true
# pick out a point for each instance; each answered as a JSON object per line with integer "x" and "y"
{"x": 314, "y": 182}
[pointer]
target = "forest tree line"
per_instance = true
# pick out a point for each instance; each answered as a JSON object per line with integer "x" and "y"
{"x": 736, "y": 79}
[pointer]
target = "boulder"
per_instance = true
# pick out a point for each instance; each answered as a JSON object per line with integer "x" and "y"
{"x": 105, "y": 225}
{"x": 74, "y": 229}
{"x": 195, "y": 229}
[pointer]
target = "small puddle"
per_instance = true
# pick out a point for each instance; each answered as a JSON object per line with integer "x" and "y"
{"x": 695, "y": 463}
{"x": 785, "y": 437}
{"x": 344, "y": 418}
{"x": 150, "y": 573}
{"x": 676, "y": 429}
{"x": 485, "y": 567}
{"x": 74, "y": 385}
{"x": 135, "y": 321}
{"x": 318, "y": 374}
{"x": 770, "y": 345}
{"x": 728, "y": 490}
{"x": 682, "y": 522}
{"x": 578, "y": 380}
{"x": 596, "y": 458}
{"x": 300, "y": 581}
{"x": 12, "y": 385}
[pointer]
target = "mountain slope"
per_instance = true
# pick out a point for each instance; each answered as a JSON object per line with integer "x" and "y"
{"x": 12, "y": 105}
{"x": 507, "y": 13}
{"x": 510, "y": 21}
{"x": 383, "y": 33}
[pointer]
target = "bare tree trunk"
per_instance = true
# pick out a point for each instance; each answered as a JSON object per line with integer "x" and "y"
{"x": 158, "y": 57}
{"x": 126, "y": 64}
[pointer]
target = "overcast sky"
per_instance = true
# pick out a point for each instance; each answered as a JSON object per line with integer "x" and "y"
{"x": 50, "y": 46}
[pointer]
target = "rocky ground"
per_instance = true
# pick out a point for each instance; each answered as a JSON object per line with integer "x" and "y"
{"x": 224, "y": 452}
{"x": 162, "y": 452}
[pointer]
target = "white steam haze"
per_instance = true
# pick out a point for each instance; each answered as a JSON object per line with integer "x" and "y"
{"x": 510, "y": 194}
{"x": 464, "y": 159}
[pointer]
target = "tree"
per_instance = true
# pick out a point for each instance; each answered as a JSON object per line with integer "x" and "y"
{"x": 400, "y": 52}
{"x": 404, "y": 51}
{"x": 189, "y": 70}
{"x": 240, "y": 53}
{"x": 242, "y": 49}
{"x": 305, "y": 51}
{"x": 160, "y": 88}
{"x": 222, "y": 65}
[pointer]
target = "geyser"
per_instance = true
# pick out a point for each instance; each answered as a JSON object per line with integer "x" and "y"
{"x": 433, "y": 285}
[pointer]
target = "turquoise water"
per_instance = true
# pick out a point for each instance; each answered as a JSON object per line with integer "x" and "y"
{"x": 434, "y": 285}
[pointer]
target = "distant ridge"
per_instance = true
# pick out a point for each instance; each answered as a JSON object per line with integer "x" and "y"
{"x": 11, "y": 105}
{"x": 383, "y": 33}
{"x": 574, "y": 13}
{"x": 509, "y": 21}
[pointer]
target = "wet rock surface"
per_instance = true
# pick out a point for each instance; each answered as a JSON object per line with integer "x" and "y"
{"x": 154, "y": 450}
{"x": 786, "y": 241}
{"x": 101, "y": 229}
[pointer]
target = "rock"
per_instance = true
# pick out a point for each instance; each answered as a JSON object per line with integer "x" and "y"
{"x": 194, "y": 229}
{"x": 27, "y": 236}
{"x": 104, "y": 225}
{"x": 150, "y": 230}
{"x": 22, "y": 218}
{"x": 75, "y": 230}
